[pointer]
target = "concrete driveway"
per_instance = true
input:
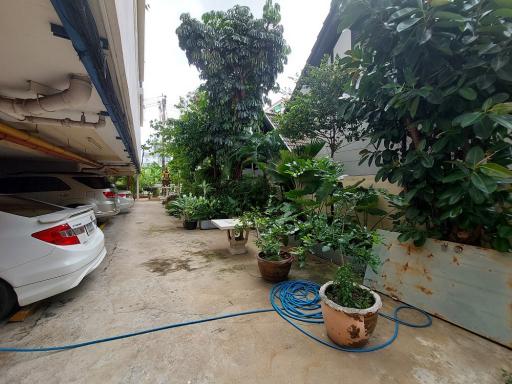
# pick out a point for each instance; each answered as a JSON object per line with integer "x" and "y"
{"x": 157, "y": 273}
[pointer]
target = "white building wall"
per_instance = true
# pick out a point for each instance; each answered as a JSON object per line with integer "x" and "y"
{"x": 343, "y": 44}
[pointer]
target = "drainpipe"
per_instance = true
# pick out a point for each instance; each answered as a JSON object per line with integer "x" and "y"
{"x": 24, "y": 139}
{"x": 78, "y": 94}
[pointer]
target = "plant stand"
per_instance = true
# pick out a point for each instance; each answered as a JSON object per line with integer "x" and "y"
{"x": 237, "y": 241}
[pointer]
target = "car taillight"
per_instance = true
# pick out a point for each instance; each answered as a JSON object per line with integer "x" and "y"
{"x": 59, "y": 235}
{"x": 121, "y": 194}
{"x": 109, "y": 194}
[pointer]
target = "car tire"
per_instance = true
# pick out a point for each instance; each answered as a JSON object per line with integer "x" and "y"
{"x": 8, "y": 299}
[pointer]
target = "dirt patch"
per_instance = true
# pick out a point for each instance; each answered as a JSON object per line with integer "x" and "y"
{"x": 163, "y": 266}
{"x": 209, "y": 255}
{"x": 234, "y": 268}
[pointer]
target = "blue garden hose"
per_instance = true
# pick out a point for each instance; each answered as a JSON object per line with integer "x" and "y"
{"x": 299, "y": 300}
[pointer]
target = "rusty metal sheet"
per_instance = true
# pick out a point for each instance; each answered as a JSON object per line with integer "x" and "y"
{"x": 466, "y": 285}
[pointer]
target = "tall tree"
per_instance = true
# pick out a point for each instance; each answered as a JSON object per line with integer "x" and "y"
{"x": 319, "y": 111}
{"x": 239, "y": 57}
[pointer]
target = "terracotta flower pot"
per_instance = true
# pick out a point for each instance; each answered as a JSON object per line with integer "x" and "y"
{"x": 190, "y": 224}
{"x": 349, "y": 327}
{"x": 275, "y": 271}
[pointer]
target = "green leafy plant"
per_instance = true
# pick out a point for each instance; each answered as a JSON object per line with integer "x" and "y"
{"x": 431, "y": 80}
{"x": 270, "y": 245}
{"x": 150, "y": 175}
{"x": 187, "y": 207}
{"x": 357, "y": 204}
{"x": 306, "y": 182}
{"x": 346, "y": 292}
{"x": 321, "y": 113}
{"x": 354, "y": 242}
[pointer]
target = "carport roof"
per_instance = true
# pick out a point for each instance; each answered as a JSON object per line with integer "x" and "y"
{"x": 35, "y": 60}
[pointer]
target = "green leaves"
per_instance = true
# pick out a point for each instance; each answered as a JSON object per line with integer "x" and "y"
{"x": 413, "y": 107}
{"x": 401, "y": 13}
{"x": 501, "y": 108}
{"x": 474, "y": 156}
{"x": 468, "y": 93}
{"x": 440, "y": 3}
{"x": 504, "y": 120}
{"x": 406, "y": 24}
{"x": 454, "y": 176}
{"x": 467, "y": 119}
{"x": 483, "y": 183}
{"x": 496, "y": 170}
{"x": 444, "y": 15}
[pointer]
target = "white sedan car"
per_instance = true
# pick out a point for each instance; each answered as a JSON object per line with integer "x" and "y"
{"x": 45, "y": 249}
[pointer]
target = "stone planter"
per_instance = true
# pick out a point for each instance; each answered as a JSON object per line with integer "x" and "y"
{"x": 206, "y": 224}
{"x": 275, "y": 271}
{"x": 349, "y": 327}
{"x": 463, "y": 284}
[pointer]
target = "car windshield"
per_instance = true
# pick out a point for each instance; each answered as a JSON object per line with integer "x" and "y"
{"x": 26, "y": 207}
{"x": 94, "y": 182}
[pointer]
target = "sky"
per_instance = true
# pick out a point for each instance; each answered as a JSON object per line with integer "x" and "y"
{"x": 166, "y": 69}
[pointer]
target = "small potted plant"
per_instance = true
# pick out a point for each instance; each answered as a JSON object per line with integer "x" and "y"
{"x": 274, "y": 261}
{"x": 350, "y": 310}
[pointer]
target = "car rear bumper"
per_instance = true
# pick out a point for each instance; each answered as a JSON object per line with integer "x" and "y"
{"x": 126, "y": 205}
{"x": 30, "y": 293}
{"x": 102, "y": 212}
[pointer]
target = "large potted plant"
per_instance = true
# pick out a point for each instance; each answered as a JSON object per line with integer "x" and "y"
{"x": 350, "y": 310}
{"x": 187, "y": 207}
{"x": 432, "y": 83}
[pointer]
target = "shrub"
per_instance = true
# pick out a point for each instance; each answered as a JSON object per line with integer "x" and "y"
{"x": 432, "y": 80}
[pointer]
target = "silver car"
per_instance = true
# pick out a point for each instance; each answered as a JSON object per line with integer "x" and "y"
{"x": 67, "y": 190}
{"x": 126, "y": 200}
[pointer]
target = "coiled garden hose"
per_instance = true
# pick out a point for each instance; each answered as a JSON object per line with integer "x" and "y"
{"x": 292, "y": 300}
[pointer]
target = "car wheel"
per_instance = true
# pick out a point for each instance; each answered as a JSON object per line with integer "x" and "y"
{"x": 7, "y": 299}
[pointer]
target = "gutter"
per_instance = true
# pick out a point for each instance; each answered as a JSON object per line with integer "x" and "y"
{"x": 80, "y": 26}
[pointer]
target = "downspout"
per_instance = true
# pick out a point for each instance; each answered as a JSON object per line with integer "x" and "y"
{"x": 24, "y": 139}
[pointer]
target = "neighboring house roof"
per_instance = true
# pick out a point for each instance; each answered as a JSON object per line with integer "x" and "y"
{"x": 327, "y": 37}
{"x": 270, "y": 124}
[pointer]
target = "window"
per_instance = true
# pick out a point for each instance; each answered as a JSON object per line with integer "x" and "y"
{"x": 26, "y": 207}
{"x": 94, "y": 182}
{"x": 29, "y": 184}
